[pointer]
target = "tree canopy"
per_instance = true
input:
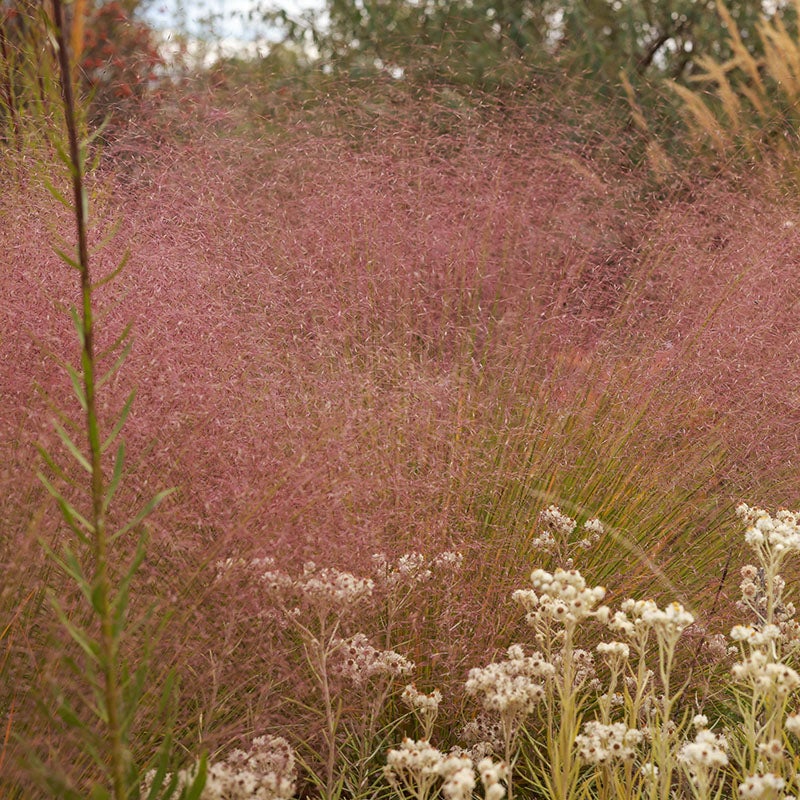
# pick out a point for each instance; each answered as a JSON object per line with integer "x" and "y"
{"x": 477, "y": 40}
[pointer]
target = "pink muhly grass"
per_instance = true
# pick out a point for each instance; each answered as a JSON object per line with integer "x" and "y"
{"x": 416, "y": 339}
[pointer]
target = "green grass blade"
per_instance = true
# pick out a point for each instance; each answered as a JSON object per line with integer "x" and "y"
{"x": 71, "y": 515}
{"x": 77, "y": 385}
{"x": 51, "y": 462}
{"x": 120, "y": 604}
{"x": 123, "y": 416}
{"x": 119, "y": 461}
{"x": 83, "y": 640}
{"x": 116, "y": 343}
{"x": 197, "y": 785}
{"x": 148, "y": 509}
{"x": 113, "y": 274}
{"x": 72, "y": 447}
{"x": 116, "y": 365}
{"x": 67, "y": 259}
{"x": 56, "y": 193}
{"x": 160, "y": 775}
{"x": 106, "y": 239}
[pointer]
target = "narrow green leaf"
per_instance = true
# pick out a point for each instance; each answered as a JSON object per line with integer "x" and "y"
{"x": 69, "y": 715}
{"x": 98, "y": 131}
{"x": 56, "y": 194}
{"x": 120, "y": 605}
{"x": 71, "y": 261}
{"x": 116, "y": 343}
{"x": 83, "y": 640}
{"x": 53, "y": 464}
{"x": 134, "y": 691}
{"x": 95, "y": 162}
{"x": 159, "y": 776}
{"x": 119, "y": 462}
{"x": 116, "y": 365}
{"x": 73, "y": 568}
{"x": 96, "y": 599}
{"x": 77, "y": 323}
{"x": 72, "y": 447}
{"x": 113, "y": 274}
{"x": 148, "y": 509}
{"x": 99, "y": 708}
{"x": 71, "y": 515}
{"x": 86, "y": 671}
{"x": 77, "y": 385}
{"x": 100, "y": 792}
{"x": 195, "y": 789}
{"x": 97, "y": 755}
{"x": 107, "y": 237}
{"x": 123, "y": 416}
{"x": 63, "y": 154}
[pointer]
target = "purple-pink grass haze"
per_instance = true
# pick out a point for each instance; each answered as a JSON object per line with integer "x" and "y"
{"x": 358, "y": 340}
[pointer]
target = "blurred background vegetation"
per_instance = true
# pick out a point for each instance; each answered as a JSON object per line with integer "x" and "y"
{"x": 613, "y": 48}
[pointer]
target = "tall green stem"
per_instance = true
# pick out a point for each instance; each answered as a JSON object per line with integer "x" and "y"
{"x": 108, "y": 640}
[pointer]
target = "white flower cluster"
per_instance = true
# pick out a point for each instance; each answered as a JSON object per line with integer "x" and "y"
{"x": 414, "y": 766}
{"x": 491, "y": 774}
{"x": 755, "y": 597}
{"x": 792, "y": 724}
{"x": 511, "y": 688}
{"x": 756, "y": 637}
{"x": 649, "y": 773}
{"x": 458, "y": 777}
{"x": 419, "y": 701}
{"x": 356, "y": 660}
{"x": 409, "y": 569}
{"x": 779, "y": 534}
{"x": 706, "y": 753}
{"x": 583, "y": 670}
{"x": 424, "y": 706}
{"x": 417, "y": 767}
{"x": 484, "y": 734}
{"x": 757, "y": 786}
{"x": 614, "y": 652}
{"x": 765, "y": 675}
{"x": 265, "y": 772}
{"x": 324, "y": 589}
{"x": 553, "y": 520}
{"x": 561, "y": 596}
{"x": 412, "y": 568}
{"x": 771, "y": 750}
{"x": 637, "y": 617}
{"x": 449, "y": 559}
{"x": 558, "y": 527}
{"x": 332, "y": 587}
{"x": 601, "y": 744}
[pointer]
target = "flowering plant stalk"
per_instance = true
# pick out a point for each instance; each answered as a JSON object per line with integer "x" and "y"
{"x": 315, "y": 609}
{"x": 104, "y": 720}
{"x": 766, "y": 684}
